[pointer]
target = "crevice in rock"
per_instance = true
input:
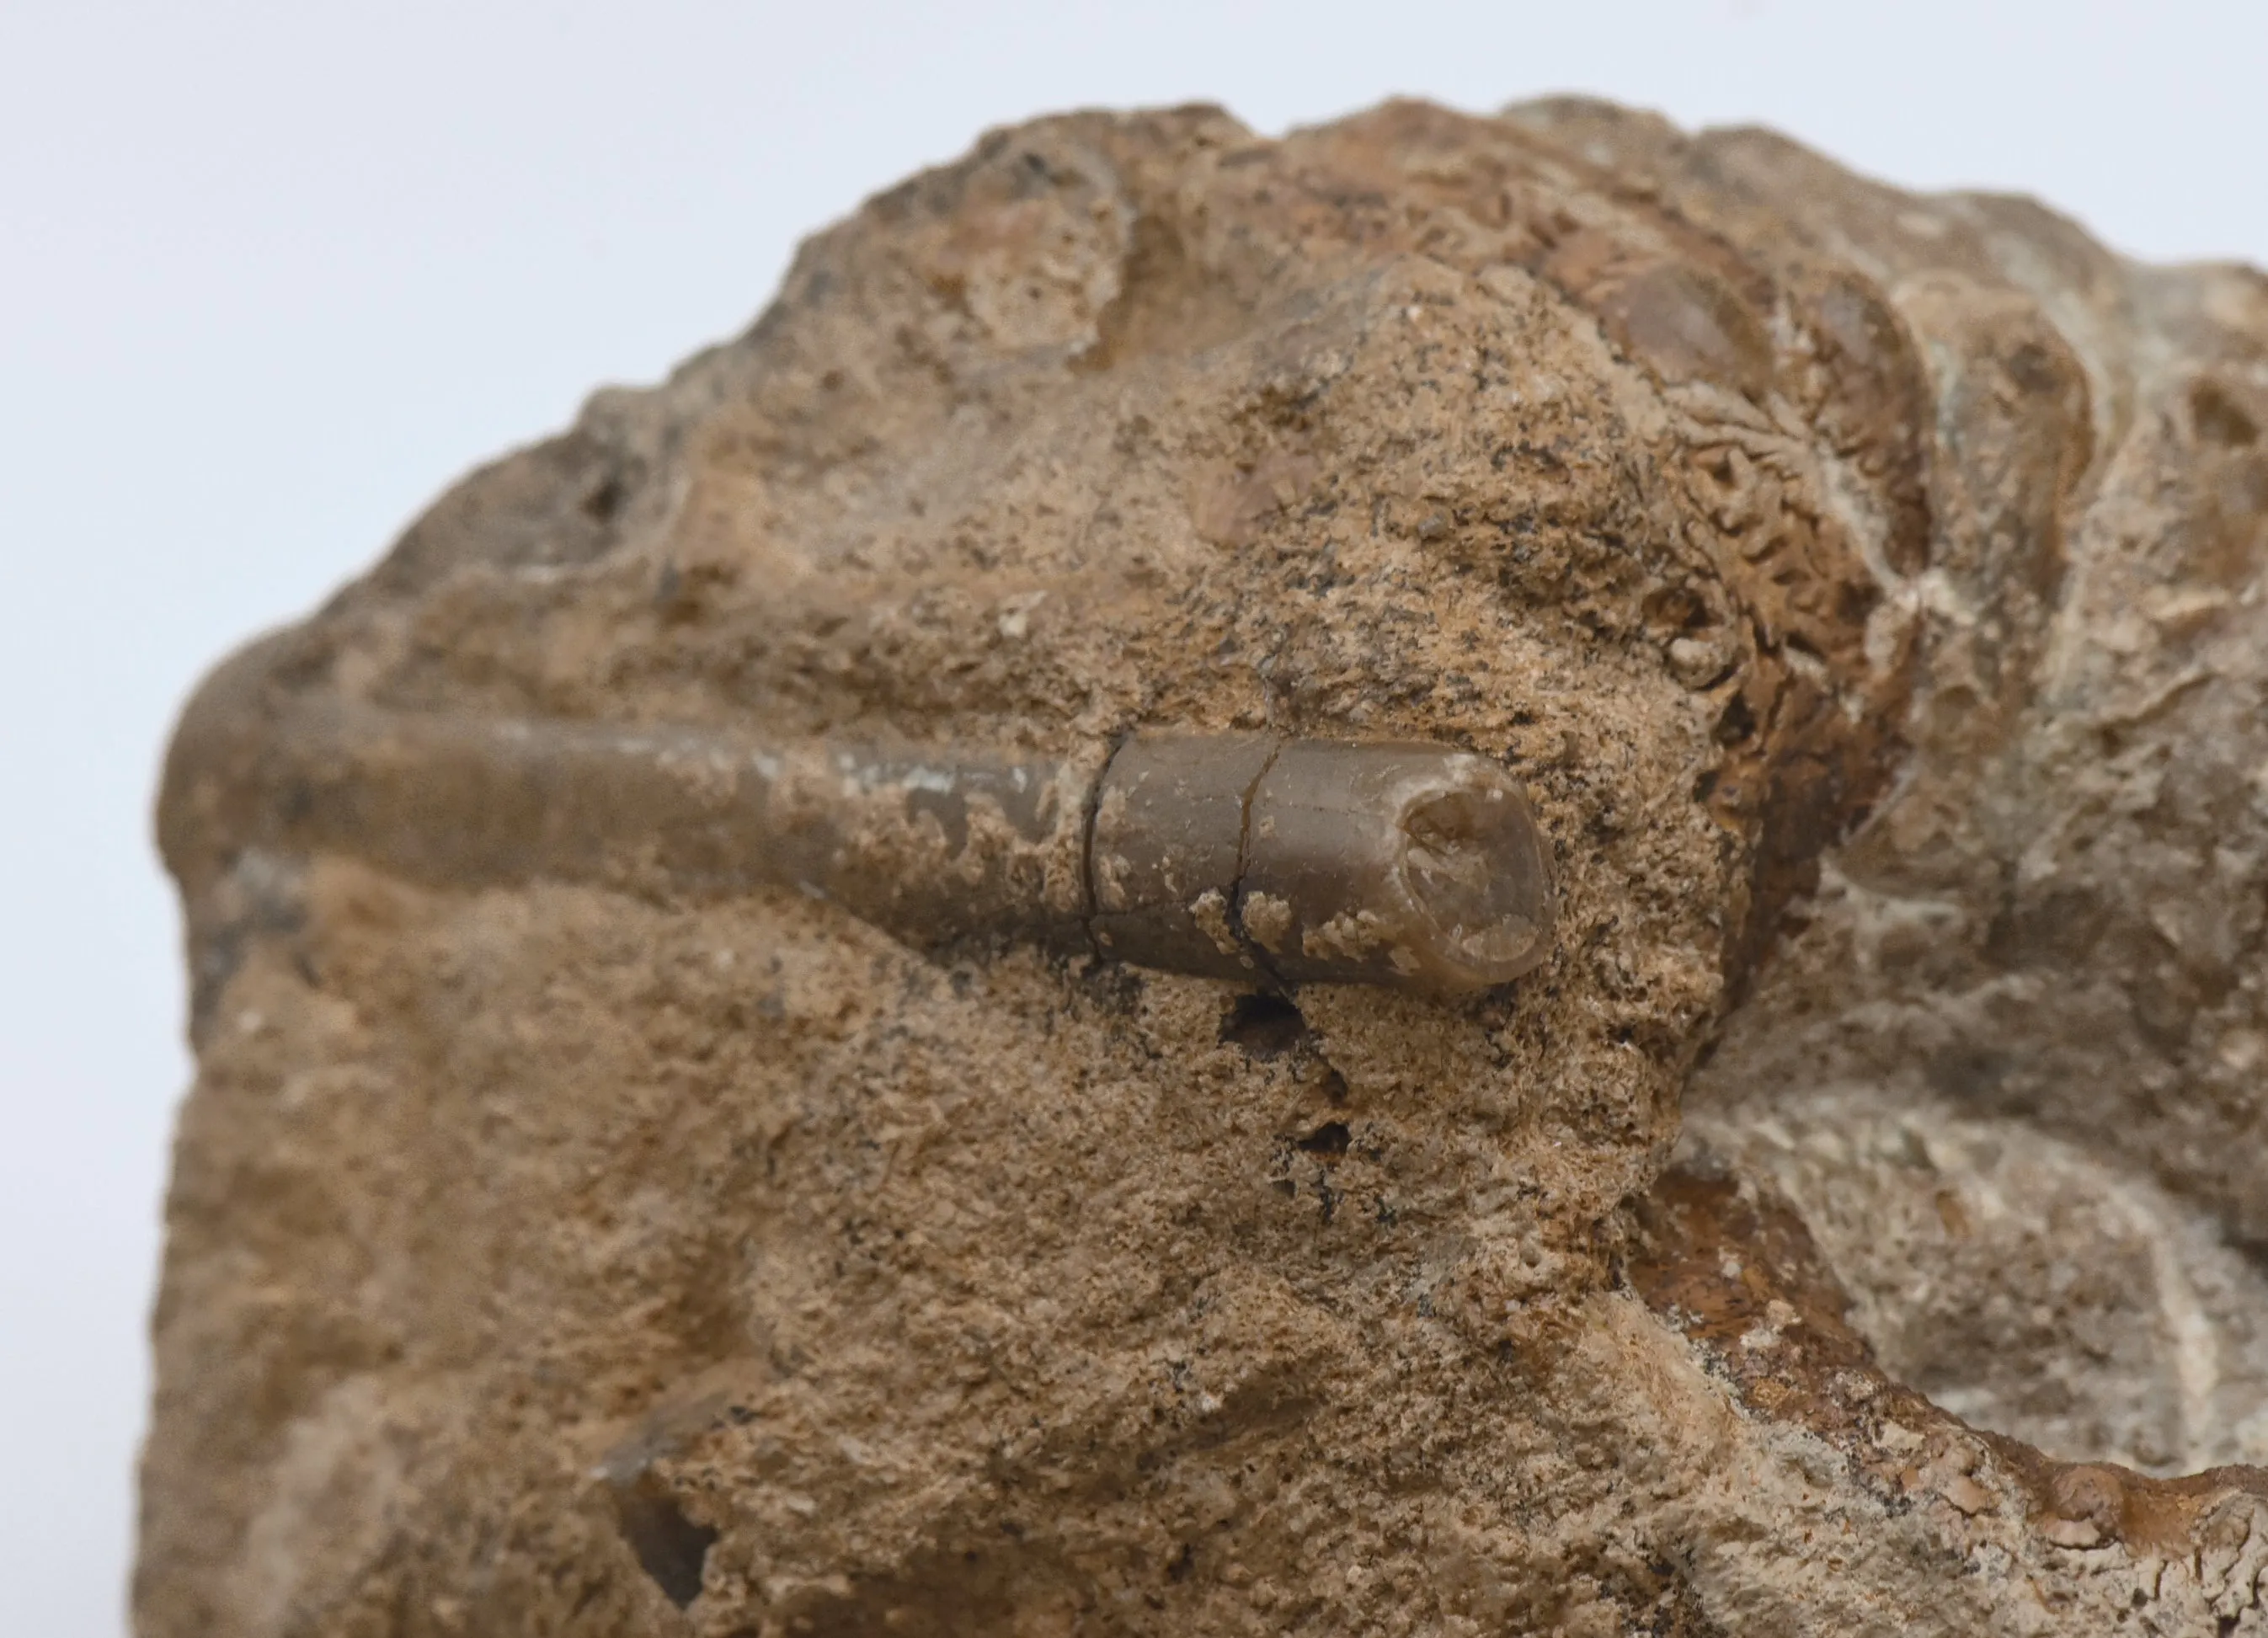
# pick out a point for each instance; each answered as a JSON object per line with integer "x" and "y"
{"x": 671, "y": 1547}
{"x": 1261, "y": 1025}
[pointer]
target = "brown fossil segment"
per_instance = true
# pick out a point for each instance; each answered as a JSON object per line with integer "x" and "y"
{"x": 1813, "y": 634}
{"x": 933, "y": 847}
{"x": 1170, "y": 822}
{"x": 1412, "y": 866}
{"x": 1395, "y": 864}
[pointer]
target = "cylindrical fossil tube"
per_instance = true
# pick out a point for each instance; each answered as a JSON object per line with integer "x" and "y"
{"x": 1167, "y": 850}
{"x": 1232, "y": 856}
{"x": 1414, "y": 865}
{"x": 931, "y": 849}
{"x": 1308, "y": 861}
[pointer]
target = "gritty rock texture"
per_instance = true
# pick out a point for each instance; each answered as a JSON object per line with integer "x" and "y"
{"x": 1856, "y": 1226}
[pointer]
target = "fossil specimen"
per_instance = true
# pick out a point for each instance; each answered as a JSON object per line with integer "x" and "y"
{"x": 768, "y": 1051}
{"x": 1240, "y": 856}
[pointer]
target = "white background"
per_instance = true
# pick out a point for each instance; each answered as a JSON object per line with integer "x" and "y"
{"x": 271, "y": 274}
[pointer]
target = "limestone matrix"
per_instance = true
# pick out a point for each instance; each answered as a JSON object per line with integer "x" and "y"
{"x": 1856, "y": 1225}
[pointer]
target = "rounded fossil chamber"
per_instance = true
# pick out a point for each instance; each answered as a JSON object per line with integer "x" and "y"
{"x": 1412, "y": 866}
{"x": 1167, "y": 848}
{"x": 1398, "y": 864}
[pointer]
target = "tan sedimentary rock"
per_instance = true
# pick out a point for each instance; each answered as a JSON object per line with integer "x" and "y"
{"x": 1865, "y": 590}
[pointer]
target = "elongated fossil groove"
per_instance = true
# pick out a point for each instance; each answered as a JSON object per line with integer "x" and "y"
{"x": 1238, "y": 856}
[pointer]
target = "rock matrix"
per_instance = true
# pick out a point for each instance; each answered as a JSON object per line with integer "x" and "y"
{"x": 1854, "y": 1222}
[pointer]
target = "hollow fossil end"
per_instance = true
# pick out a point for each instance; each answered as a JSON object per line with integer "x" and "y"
{"x": 1397, "y": 864}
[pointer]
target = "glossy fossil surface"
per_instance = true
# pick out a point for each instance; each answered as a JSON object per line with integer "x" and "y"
{"x": 1244, "y": 856}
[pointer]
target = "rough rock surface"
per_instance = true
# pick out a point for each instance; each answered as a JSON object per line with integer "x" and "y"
{"x": 1865, "y": 588}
